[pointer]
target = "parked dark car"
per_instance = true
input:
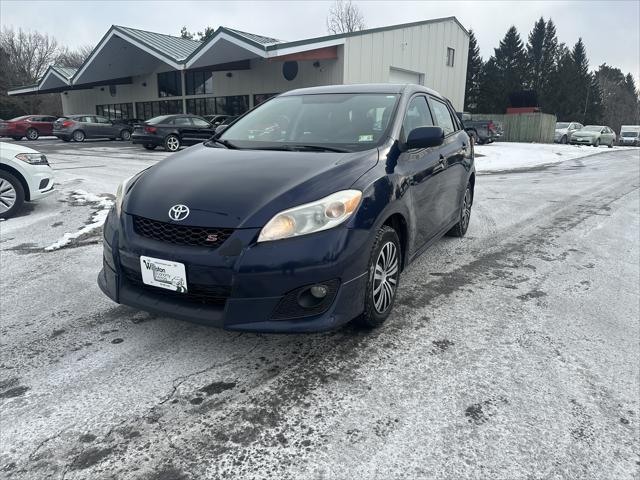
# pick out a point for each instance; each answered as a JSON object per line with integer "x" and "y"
{"x": 172, "y": 132}
{"x": 299, "y": 217}
{"x": 216, "y": 120}
{"x": 30, "y": 126}
{"x": 482, "y": 131}
{"x": 80, "y": 127}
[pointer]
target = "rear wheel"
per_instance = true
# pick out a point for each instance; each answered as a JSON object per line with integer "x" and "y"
{"x": 78, "y": 136}
{"x": 384, "y": 274}
{"x": 460, "y": 228}
{"x": 611, "y": 144}
{"x": 32, "y": 134}
{"x": 125, "y": 135}
{"x": 149, "y": 146}
{"x": 11, "y": 195}
{"x": 172, "y": 143}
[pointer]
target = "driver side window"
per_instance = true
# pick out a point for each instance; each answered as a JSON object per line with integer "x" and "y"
{"x": 417, "y": 115}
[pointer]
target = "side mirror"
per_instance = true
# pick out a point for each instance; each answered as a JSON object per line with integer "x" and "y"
{"x": 219, "y": 129}
{"x": 425, "y": 137}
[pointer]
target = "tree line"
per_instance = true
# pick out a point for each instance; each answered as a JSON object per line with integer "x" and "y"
{"x": 552, "y": 76}
{"x": 24, "y": 59}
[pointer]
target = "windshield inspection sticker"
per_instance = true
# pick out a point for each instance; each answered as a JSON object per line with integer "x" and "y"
{"x": 365, "y": 138}
{"x": 163, "y": 274}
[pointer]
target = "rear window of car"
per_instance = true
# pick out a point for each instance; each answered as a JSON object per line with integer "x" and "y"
{"x": 159, "y": 120}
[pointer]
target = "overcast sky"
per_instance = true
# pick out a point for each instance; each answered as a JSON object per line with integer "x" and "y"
{"x": 610, "y": 29}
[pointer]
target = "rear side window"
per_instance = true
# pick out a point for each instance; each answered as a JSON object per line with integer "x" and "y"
{"x": 182, "y": 121}
{"x": 418, "y": 115}
{"x": 442, "y": 116}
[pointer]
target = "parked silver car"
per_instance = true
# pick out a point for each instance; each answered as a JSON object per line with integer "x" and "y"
{"x": 595, "y": 135}
{"x": 79, "y": 127}
{"x": 564, "y": 131}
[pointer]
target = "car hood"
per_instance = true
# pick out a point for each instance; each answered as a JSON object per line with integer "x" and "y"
{"x": 241, "y": 188}
{"x": 10, "y": 150}
{"x": 580, "y": 133}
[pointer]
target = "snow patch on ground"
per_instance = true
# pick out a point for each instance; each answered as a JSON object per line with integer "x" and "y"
{"x": 502, "y": 156}
{"x": 81, "y": 197}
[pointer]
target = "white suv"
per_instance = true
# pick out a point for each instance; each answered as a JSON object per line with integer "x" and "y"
{"x": 25, "y": 175}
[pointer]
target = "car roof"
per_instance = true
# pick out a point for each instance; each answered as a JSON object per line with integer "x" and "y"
{"x": 390, "y": 88}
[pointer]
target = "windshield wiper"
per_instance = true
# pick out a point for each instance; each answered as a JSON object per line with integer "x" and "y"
{"x": 226, "y": 143}
{"x": 315, "y": 148}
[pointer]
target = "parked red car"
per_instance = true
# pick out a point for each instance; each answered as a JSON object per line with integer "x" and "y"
{"x": 30, "y": 126}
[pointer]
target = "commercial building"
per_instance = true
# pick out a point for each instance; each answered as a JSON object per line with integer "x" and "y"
{"x": 138, "y": 74}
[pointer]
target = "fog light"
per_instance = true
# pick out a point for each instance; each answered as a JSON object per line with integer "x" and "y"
{"x": 319, "y": 291}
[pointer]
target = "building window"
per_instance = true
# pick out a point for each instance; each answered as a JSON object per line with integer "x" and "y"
{"x": 198, "y": 82}
{"x": 451, "y": 53}
{"x": 201, "y": 106}
{"x": 261, "y": 97}
{"x": 115, "y": 111}
{"x": 147, "y": 110}
{"x": 234, "y": 105}
{"x": 169, "y": 84}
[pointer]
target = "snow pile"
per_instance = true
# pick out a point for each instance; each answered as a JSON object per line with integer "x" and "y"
{"x": 502, "y": 156}
{"x": 80, "y": 197}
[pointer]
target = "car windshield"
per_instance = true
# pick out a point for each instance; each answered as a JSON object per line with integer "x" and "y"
{"x": 158, "y": 120}
{"x": 561, "y": 125}
{"x": 17, "y": 119}
{"x": 591, "y": 128}
{"x": 630, "y": 134}
{"x": 344, "y": 121}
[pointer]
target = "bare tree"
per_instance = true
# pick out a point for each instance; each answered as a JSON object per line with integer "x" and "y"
{"x": 29, "y": 54}
{"x": 73, "y": 58}
{"x": 344, "y": 17}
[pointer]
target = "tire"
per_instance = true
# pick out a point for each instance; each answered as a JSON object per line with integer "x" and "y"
{"x": 596, "y": 143}
{"x": 17, "y": 138}
{"x": 149, "y": 146}
{"x": 125, "y": 135}
{"x": 474, "y": 136}
{"x": 611, "y": 144}
{"x": 11, "y": 195}
{"x": 172, "y": 143}
{"x": 381, "y": 290}
{"x": 78, "y": 136}
{"x": 32, "y": 134}
{"x": 563, "y": 140}
{"x": 460, "y": 228}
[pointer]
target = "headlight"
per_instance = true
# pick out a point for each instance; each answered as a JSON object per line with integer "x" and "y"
{"x": 33, "y": 158}
{"x": 120, "y": 192}
{"x": 312, "y": 217}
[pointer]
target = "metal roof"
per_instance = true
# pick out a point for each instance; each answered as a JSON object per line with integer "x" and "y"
{"x": 255, "y": 38}
{"x": 176, "y": 48}
{"x": 66, "y": 72}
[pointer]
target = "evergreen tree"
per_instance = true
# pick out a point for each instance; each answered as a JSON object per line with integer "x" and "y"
{"x": 619, "y": 97}
{"x": 504, "y": 73}
{"x": 474, "y": 72}
{"x": 535, "y": 54}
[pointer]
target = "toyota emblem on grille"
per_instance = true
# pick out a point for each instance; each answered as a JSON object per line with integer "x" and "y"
{"x": 178, "y": 212}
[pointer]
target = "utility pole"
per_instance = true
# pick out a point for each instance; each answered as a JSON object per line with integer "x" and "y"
{"x": 586, "y": 101}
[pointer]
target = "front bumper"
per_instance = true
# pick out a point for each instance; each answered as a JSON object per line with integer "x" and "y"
{"x": 258, "y": 276}
{"x": 582, "y": 140}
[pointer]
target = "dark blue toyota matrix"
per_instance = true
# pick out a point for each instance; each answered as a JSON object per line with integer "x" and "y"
{"x": 299, "y": 216}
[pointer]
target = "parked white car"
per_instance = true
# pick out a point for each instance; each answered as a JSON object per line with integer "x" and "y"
{"x": 564, "y": 131}
{"x": 25, "y": 175}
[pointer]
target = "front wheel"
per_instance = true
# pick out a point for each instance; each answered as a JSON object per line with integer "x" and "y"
{"x": 172, "y": 143}
{"x": 11, "y": 195}
{"x": 384, "y": 274}
{"x": 460, "y": 228}
{"x": 563, "y": 140}
{"x": 32, "y": 134}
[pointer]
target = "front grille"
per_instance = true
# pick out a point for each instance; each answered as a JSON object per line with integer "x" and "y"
{"x": 196, "y": 293}
{"x": 181, "y": 234}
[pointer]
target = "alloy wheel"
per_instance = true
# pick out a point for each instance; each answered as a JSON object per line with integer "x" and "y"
{"x": 173, "y": 143}
{"x": 385, "y": 277}
{"x": 466, "y": 209}
{"x": 32, "y": 134}
{"x": 125, "y": 135}
{"x": 8, "y": 196}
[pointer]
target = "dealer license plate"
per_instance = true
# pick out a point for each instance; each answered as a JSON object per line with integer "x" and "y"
{"x": 164, "y": 274}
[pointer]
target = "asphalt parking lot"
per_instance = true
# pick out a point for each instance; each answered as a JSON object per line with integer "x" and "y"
{"x": 511, "y": 354}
